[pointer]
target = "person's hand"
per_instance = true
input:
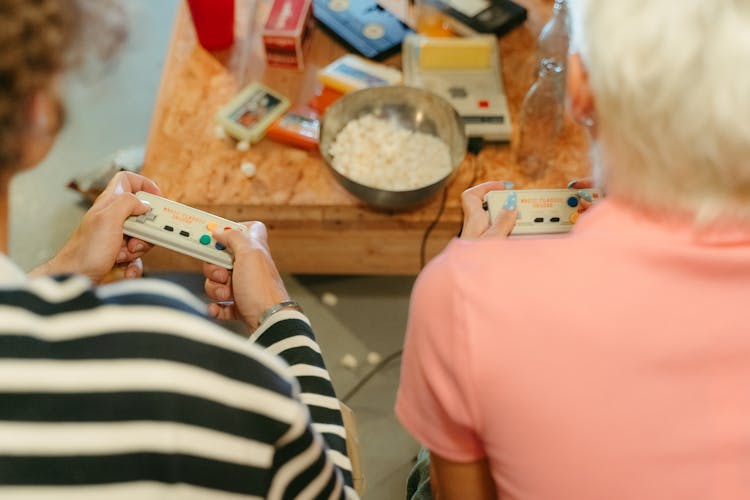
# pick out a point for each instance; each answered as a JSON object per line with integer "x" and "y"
{"x": 98, "y": 244}
{"x": 582, "y": 183}
{"x": 477, "y": 221}
{"x": 253, "y": 284}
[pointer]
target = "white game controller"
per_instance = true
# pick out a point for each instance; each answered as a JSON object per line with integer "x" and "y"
{"x": 181, "y": 228}
{"x": 542, "y": 211}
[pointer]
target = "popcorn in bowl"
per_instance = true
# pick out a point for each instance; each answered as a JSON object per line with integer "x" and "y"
{"x": 380, "y": 153}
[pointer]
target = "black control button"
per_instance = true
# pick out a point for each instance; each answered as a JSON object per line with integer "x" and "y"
{"x": 555, "y": 219}
{"x": 168, "y": 228}
{"x": 184, "y": 233}
{"x": 539, "y": 219}
{"x": 458, "y": 92}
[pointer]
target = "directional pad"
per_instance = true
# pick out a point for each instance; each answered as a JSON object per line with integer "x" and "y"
{"x": 148, "y": 216}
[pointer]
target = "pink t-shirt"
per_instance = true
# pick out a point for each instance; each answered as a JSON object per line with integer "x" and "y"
{"x": 612, "y": 363}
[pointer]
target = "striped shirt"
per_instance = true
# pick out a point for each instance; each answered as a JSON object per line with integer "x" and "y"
{"x": 129, "y": 391}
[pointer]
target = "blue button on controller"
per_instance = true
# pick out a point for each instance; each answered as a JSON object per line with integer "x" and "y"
{"x": 219, "y": 246}
{"x": 573, "y": 201}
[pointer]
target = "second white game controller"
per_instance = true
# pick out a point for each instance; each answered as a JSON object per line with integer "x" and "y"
{"x": 542, "y": 211}
{"x": 181, "y": 228}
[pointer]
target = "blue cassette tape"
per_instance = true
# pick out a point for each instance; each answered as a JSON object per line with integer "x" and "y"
{"x": 363, "y": 25}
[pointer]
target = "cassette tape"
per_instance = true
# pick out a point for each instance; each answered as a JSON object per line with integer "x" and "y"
{"x": 251, "y": 112}
{"x": 466, "y": 72}
{"x": 472, "y": 17}
{"x": 350, "y": 72}
{"x": 362, "y": 25}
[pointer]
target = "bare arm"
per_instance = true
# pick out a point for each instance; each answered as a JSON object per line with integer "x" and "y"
{"x": 457, "y": 480}
{"x": 98, "y": 245}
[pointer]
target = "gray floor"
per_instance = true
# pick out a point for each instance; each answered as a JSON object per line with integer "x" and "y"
{"x": 108, "y": 109}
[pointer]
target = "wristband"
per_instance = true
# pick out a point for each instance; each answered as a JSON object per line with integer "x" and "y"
{"x": 287, "y": 304}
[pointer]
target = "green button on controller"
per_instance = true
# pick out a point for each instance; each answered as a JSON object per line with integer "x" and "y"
{"x": 205, "y": 239}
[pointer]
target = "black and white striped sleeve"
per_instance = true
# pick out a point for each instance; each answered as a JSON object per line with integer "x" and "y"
{"x": 126, "y": 392}
{"x": 288, "y": 334}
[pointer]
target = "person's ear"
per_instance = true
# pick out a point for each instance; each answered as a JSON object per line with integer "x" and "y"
{"x": 43, "y": 121}
{"x": 581, "y": 103}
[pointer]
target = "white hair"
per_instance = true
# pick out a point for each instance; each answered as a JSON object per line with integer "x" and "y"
{"x": 671, "y": 83}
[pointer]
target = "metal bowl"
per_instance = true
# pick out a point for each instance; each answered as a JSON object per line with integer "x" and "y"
{"x": 413, "y": 109}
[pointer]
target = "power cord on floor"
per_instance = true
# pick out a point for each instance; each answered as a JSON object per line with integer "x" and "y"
{"x": 423, "y": 247}
{"x": 354, "y": 390}
{"x": 428, "y": 231}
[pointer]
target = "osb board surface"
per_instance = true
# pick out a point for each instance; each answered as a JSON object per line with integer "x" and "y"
{"x": 293, "y": 187}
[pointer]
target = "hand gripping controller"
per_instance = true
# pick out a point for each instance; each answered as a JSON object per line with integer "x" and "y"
{"x": 542, "y": 211}
{"x": 181, "y": 228}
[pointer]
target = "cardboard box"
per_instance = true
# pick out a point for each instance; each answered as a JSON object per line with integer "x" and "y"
{"x": 286, "y": 29}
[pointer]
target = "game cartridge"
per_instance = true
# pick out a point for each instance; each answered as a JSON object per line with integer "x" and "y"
{"x": 299, "y": 128}
{"x": 251, "y": 112}
{"x": 350, "y": 72}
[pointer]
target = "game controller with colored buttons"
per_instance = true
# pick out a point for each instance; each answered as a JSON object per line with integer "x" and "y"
{"x": 542, "y": 211}
{"x": 181, "y": 228}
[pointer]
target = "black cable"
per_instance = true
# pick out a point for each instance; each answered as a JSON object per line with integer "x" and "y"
{"x": 431, "y": 227}
{"x": 426, "y": 235}
{"x": 422, "y": 262}
{"x": 354, "y": 390}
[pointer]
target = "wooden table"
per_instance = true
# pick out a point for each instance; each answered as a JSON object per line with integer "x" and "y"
{"x": 315, "y": 226}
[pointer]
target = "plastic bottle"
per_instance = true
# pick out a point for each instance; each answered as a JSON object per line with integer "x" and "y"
{"x": 540, "y": 121}
{"x": 554, "y": 39}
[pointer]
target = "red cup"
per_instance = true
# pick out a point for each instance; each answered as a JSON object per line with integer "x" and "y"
{"x": 214, "y": 22}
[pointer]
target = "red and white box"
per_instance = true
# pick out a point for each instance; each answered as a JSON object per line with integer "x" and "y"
{"x": 287, "y": 28}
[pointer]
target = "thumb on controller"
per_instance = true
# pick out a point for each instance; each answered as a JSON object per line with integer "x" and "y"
{"x": 505, "y": 220}
{"x": 235, "y": 241}
{"x": 126, "y": 205}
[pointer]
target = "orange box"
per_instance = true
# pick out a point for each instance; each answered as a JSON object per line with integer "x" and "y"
{"x": 327, "y": 96}
{"x": 286, "y": 29}
{"x": 299, "y": 127}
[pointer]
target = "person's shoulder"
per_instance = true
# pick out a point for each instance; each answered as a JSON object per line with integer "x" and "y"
{"x": 467, "y": 269}
{"x": 71, "y": 292}
{"x": 480, "y": 255}
{"x": 164, "y": 307}
{"x": 138, "y": 319}
{"x": 150, "y": 292}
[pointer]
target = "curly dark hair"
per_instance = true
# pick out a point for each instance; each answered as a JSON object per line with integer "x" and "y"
{"x": 35, "y": 36}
